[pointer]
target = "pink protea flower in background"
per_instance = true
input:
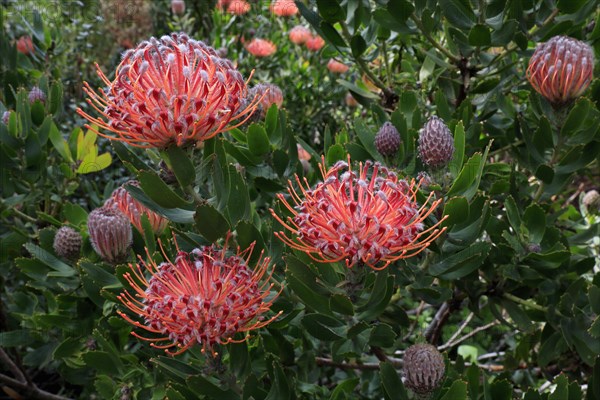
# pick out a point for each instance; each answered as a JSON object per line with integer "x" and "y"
{"x": 561, "y": 69}
{"x": 133, "y": 209}
{"x": 178, "y": 7}
{"x": 315, "y": 43}
{"x": 238, "y": 7}
{"x": 269, "y": 94}
{"x": 36, "y": 94}
{"x": 204, "y": 297}
{"x": 299, "y": 34}
{"x": 368, "y": 217}
{"x": 337, "y": 67}
{"x": 172, "y": 90}
{"x": 25, "y": 45}
{"x": 110, "y": 234}
{"x": 261, "y": 47}
{"x": 284, "y": 8}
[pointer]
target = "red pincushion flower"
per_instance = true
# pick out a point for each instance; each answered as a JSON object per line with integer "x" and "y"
{"x": 337, "y": 67}
{"x": 366, "y": 217}
{"x": 299, "y": 34}
{"x": 561, "y": 69}
{"x": 238, "y": 7}
{"x": 315, "y": 43}
{"x": 261, "y": 47}
{"x": 284, "y": 8}
{"x": 25, "y": 45}
{"x": 133, "y": 209}
{"x": 204, "y": 297}
{"x": 173, "y": 90}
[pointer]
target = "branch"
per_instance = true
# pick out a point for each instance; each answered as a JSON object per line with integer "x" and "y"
{"x": 346, "y": 365}
{"x": 433, "y": 330}
{"x": 468, "y": 335}
{"x": 33, "y": 392}
{"x": 12, "y": 366}
{"x": 442, "y": 49}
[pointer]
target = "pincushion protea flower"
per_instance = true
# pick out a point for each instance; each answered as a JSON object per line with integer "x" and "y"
{"x": 561, "y": 69}
{"x": 133, "y": 209}
{"x": 172, "y": 90}
{"x": 284, "y": 8}
{"x": 238, "y": 7}
{"x": 110, "y": 234}
{"x": 299, "y": 34}
{"x": 269, "y": 93}
{"x": 315, "y": 43}
{"x": 204, "y": 297}
{"x": 366, "y": 217}
{"x": 337, "y": 67}
{"x": 25, "y": 45}
{"x": 261, "y": 47}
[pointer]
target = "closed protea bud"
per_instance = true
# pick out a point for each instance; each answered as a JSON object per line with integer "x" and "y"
{"x": 436, "y": 145}
{"x": 269, "y": 94}
{"x": 178, "y": 7}
{"x": 36, "y": 94}
{"x": 25, "y": 45}
{"x": 534, "y": 248}
{"x": 387, "y": 140}
{"x": 5, "y": 117}
{"x": 110, "y": 234}
{"x": 424, "y": 368}
{"x": 591, "y": 201}
{"x": 67, "y": 243}
{"x": 561, "y": 69}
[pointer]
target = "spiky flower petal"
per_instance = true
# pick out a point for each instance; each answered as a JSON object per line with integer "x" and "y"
{"x": 368, "y": 217}
{"x": 110, "y": 234}
{"x": 203, "y": 297}
{"x": 436, "y": 144}
{"x": 424, "y": 368}
{"x": 133, "y": 209}
{"x": 561, "y": 69}
{"x": 172, "y": 90}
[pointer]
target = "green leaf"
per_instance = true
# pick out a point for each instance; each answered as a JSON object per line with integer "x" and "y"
{"x": 342, "y": 304}
{"x": 103, "y": 362}
{"x": 462, "y": 263}
{"x": 401, "y": 10}
{"x": 75, "y": 214}
{"x": 473, "y": 375}
{"x": 382, "y": 336}
{"x": 358, "y": 45}
{"x": 182, "y": 165}
{"x": 258, "y": 140}
{"x": 304, "y": 283}
{"x": 280, "y": 390}
{"x": 458, "y": 391}
{"x": 335, "y": 153}
{"x": 534, "y": 219}
{"x": 570, "y": 6}
{"x": 459, "y": 149}
{"x": 330, "y": 10}
{"x": 210, "y": 223}
{"x": 467, "y": 176}
{"x": 512, "y": 212}
{"x": 459, "y": 14}
{"x": 457, "y": 210}
{"x": 480, "y": 35}
{"x": 94, "y": 163}
{"x": 128, "y": 156}
{"x": 392, "y": 384}
{"x": 379, "y": 299}
{"x": 519, "y": 316}
{"x": 15, "y": 338}
{"x": 61, "y": 269}
{"x": 159, "y": 191}
{"x": 344, "y": 389}
{"x": 205, "y": 387}
{"x": 55, "y": 98}
{"x": 561, "y": 392}
{"x": 324, "y": 327}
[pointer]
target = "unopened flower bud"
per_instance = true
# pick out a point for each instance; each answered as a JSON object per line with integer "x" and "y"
{"x": 110, "y": 234}
{"x": 424, "y": 368}
{"x": 67, "y": 243}
{"x": 178, "y": 7}
{"x": 436, "y": 144}
{"x": 36, "y": 94}
{"x": 5, "y": 117}
{"x": 387, "y": 140}
{"x": 534, "y": 248}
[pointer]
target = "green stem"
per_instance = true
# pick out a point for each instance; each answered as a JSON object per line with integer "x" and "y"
{"x": 527, "y": 303}
{"x": 386, "y": 62}
{"x": 432, "y": 40}
{"x": 195, "y": 195}
{"x": 507, "y": 147}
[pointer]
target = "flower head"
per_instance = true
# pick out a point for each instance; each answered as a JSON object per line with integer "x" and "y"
{"x": 436, "y": 144}
{"x": 238, "y": 7}
{"x": 561, "y": 69}
{"x": 387, "y": 140}
{"x": 67, "y": 243}
{"x": 110, "y": 234}
{"x": 269, "y": 94}
{"x": 169, "y": 90}
{"x": 261, "y": 47}
{"x": 25, "y": 45}
{"x": 299, "y": 34}
{"x": 366, "y": 217}
{"x": 315, "y": 43}
{"x": 424, "y": 368}
{"x": 36, "y": 94}
{"x": 337, "y": 67}
{"x": 178, "y": 7}
{"x": 284, "y": 8}
{"x": 133, "y": 209}
{"x": 204, "y": 297}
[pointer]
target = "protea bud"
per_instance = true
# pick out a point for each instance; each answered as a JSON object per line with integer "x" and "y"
{"x": 110, "y": 234}
{"x": 178, "y": 7}
{"x": 36, "y": 94}
{"x": 424, "y": 368}
{"x": 67, "y": 243}
{"x": 561, "y": 69}
{"x": 270, "y": 94}
{"x": 534, "y": 248}
{"x": 387, "y": 140}
{"x": 591, "y": 201}
{"x": 5, "y": 117}
{"x": 436, "y": 144}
